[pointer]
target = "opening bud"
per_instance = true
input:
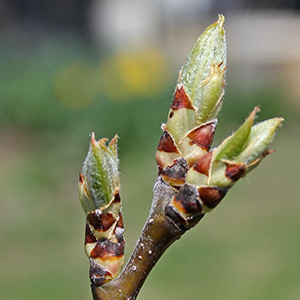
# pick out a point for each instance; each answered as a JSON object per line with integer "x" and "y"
{"x": 100, "y": 174}
{"x": 203, "y": 73}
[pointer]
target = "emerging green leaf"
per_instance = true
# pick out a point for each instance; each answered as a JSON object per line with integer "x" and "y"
{"x": 233, "y": 145}
{"x": 100, "y": 175}
{"x": 260, "y": 138}
{"x": 202, "y": 75}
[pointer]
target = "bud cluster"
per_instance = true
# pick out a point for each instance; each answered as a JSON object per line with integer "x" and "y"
{"x": 185, "y": 161}
{"x": 192, "y": 178}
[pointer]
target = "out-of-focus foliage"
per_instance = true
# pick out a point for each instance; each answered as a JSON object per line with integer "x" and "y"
{"x": 52, "y": 95}
{"x": 56, "y": 89}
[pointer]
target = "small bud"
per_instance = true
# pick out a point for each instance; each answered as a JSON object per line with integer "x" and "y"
{"x": 100, "y": 174}
{"x": 183, "y": 155}
{"x": 101, "y": 201}
{"x": 242, "y": 151}
{"x": 198, "y": 97}
{"x": 214, "y": 173}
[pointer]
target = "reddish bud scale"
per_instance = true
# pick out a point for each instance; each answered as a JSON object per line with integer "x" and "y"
{"x": 235, "y": 172}
{"x": 89, "y": 236}
{"x": 166, "y": 152}
{"x": 203, "y": 135}
{"x": 211, "y": 196}
{"x": 166, "y": 143}
{"x": 117, "y": 198}
{"x": 100, "y": 221}
{"x": 81, "y": 178}
{"x": 104, "y": 242}
{"x": 203, "y": 164}
{"x": 181, "y": 100}
{"x": 105, "y": 249}
{"x": 120, "y": 223}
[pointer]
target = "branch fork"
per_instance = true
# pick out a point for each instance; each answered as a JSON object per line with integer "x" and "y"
{"x": 192, "y": 178}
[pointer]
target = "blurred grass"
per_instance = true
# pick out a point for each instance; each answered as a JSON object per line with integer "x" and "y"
{"x": 246, "y": 249}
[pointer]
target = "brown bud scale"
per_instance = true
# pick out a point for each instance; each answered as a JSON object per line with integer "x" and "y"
{"x": 120, "y": 221}
{"x": 105, "y": 249}
{"x": 81, "y": 179}
{"x": 181, "y": 100}
{"x": 166, "y": 143}
{"x": 117, "y": 198}
{"x": 203, "y": 164}
{"x": 211, "y": 196}
{"x": 194, "y": 219}
{"x": 203, "y": 135}
{"x": 100, "y": 221}
{"x": 98, "y": 274}
{"x": 176, "y": 217}
{"x": 176, "y": 173}
{"x": 89, "y": 236}
{"x": 186, "y": 201}
{"x": 235, "y": 172}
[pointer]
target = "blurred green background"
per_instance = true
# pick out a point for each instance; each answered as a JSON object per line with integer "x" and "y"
{"x": 61, "y": 78}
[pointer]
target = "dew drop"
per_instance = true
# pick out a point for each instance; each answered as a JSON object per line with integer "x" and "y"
{"x": 140, "y": 257}
{"x": 150, "y": 221}
{"x": 150, "y": 252}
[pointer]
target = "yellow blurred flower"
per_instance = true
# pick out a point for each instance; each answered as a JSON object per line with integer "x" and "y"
{"x": 125, "y": 75}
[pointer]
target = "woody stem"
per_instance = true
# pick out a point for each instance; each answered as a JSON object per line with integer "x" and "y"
{"x": 157, "y": 235}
